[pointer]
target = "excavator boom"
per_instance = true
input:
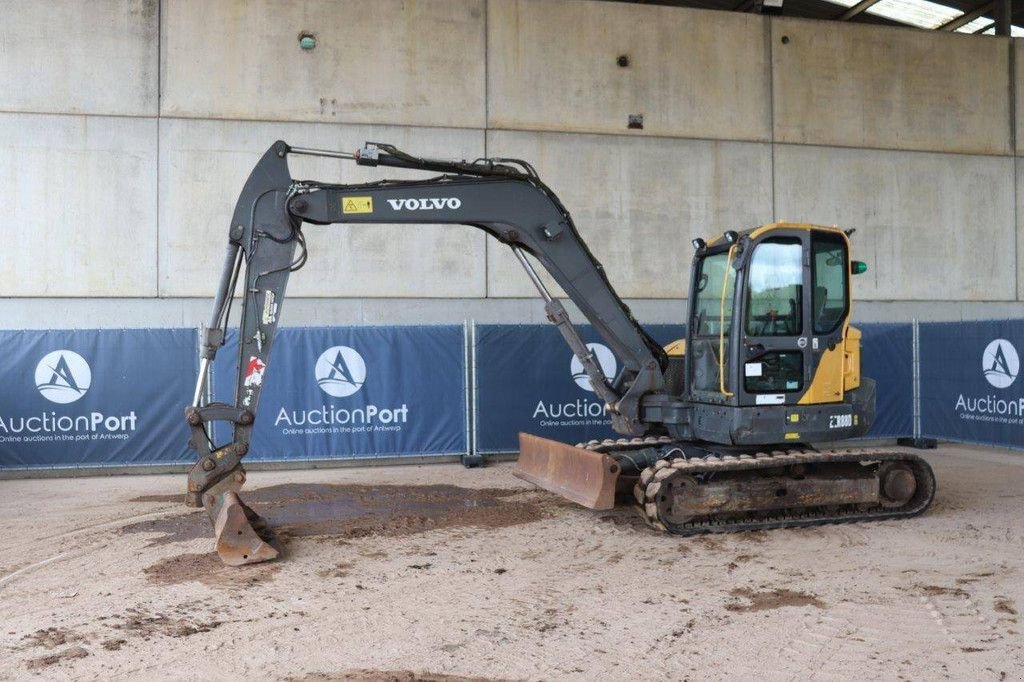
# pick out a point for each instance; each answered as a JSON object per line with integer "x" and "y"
{"x": 266, "y": 244}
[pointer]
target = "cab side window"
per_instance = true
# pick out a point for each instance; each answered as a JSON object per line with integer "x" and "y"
{"x": 830, "y": 272}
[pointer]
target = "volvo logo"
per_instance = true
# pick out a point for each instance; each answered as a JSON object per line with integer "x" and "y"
{"x": 431, "y": 204}
{"x": 1000, "y": 363}
{"x": 605, "y": 359}
{"x": 63, "y": 376}
{"x": 340, "y": 371}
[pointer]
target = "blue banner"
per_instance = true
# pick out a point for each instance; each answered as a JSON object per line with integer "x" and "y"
{"x": 95, "y": 397}
{"x": 887, "y": 356}
{"x": 346, "y": 393}
{"x": 971, "y": 390}
{"x": 528, "y": 380}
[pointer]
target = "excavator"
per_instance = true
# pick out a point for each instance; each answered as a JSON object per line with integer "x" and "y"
{"x": 717, "y": 428}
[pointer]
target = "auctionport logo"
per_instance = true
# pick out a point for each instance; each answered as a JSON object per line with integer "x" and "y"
{"x": 605, "y": 359}
{"x": 340, "y": 371}
{"x": 63, "y": 376}
{"x": 1000, "y": 366}
{"x": 1000, "y": 363}
{"x": 584, "y": 411}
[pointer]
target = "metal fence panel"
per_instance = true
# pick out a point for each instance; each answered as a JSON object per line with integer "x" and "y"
{"x": 528, "y": 380}
{"x": 95, "y": 397}
{"x": 357, "y": 392}
{"x": 971, "y": 389}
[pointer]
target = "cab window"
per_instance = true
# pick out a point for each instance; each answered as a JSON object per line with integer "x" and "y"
{"x": 828, "y": 299}
{"x": 708, "y": 316}
{"x": 775, "y": 288}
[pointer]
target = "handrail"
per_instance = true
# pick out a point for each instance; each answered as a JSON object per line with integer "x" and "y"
{"x": 721, "y": 325}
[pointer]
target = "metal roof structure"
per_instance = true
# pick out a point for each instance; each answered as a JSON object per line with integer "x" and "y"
{"x": 961, "y": 16}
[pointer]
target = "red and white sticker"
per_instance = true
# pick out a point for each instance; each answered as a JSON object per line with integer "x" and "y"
{"x": 254, "y": 372}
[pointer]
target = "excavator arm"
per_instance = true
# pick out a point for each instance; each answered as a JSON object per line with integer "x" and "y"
{"x": 503, "y": 197}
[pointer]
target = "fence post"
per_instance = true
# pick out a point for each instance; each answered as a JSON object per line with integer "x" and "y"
{"x": 917, "y": 441}
{"x": 472, "y": 458}
{"x": 917, "y": 378}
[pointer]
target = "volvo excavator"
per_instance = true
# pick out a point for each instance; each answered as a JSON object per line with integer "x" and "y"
{"x": 716, "y": 428}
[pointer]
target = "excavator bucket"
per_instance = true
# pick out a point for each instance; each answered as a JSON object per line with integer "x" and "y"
{"x": 585, "y": 477}
{"x": 237, "y": 529}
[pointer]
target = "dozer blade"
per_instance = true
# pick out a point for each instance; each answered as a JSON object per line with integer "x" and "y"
{"x": 238, "y": 543}
{"x": 585, "y": 477}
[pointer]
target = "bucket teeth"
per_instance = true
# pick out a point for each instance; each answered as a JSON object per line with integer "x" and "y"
{"x": 238, "y": 541}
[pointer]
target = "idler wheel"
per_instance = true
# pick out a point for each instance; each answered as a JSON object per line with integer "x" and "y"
{"x": 898, "y": 484}
{"x": 676, "y": 485}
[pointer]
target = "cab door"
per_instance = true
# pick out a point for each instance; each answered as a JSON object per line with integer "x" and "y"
{"x": 795, "y": 307}
{"x": 830, "y": 314}
{"x": 776, "y": 353}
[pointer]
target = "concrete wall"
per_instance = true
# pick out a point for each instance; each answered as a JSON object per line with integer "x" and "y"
{"x": 130, "y": 126}
{"x": 857, "y": 85}
{"x": 206, "y": 163}
{"x": 933, "y": 227}
{"x": 68, "y": 57}
{"x": 79, "y": 205}
{"x": 553, "y": 66}
{"x": 638, "y": 202}
{"x": 376, "y": 61}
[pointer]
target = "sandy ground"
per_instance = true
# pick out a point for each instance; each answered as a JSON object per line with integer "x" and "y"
{"x": 448, "y": 574}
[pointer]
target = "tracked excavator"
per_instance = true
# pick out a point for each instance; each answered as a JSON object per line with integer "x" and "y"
{"x": 716, "y": 428}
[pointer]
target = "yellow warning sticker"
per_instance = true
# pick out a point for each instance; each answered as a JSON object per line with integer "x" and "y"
{"x": 792, "y": 436}
{"x": 357, "y": 204}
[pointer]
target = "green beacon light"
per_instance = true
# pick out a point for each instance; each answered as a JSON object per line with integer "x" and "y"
{"x": 307, "y": 41}
{"x": 858, "y": 267}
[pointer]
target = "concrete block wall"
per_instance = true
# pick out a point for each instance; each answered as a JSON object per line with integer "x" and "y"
{"x": 130, "y": 125}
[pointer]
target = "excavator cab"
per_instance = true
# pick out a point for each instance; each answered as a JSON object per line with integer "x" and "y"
{"x": 772, "y": 357}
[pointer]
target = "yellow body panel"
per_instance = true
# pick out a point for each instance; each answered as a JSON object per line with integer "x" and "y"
{"x": 838, "y": 371}
{"x": 827, "y": 385}
{"x": 851, "y": 351}
{"x": 676, "y": 349}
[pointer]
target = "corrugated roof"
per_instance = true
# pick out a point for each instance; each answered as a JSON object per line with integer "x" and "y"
{"x": 967, "y": 16}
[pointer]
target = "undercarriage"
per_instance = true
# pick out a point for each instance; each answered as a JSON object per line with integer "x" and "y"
{"x": 690, "y": 488}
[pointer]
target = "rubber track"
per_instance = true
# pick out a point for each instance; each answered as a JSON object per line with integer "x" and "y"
{"x": 652, "y": 478}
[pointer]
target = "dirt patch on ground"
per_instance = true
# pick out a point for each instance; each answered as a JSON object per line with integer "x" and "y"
{"x": 387, "y": 676}
{"x": 53, "y": 659}
{"x": 189, "y": 526}
{"x": 51, "y": 638}
{"x": 772, "y": 599}
{"x": 159, "y": 498}
{"x": 973, "y": 577}
{"x": 209, "y": 570}
{"x": 113, "y": 644}
{"x": 938, "y": 590}
{"x": 341, "y": 570}
{"x": 353, "y": 511}
{"x": 1004, "y": 605}
{"x": 626, "y": 515}
{"x": 138, "y": 622}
